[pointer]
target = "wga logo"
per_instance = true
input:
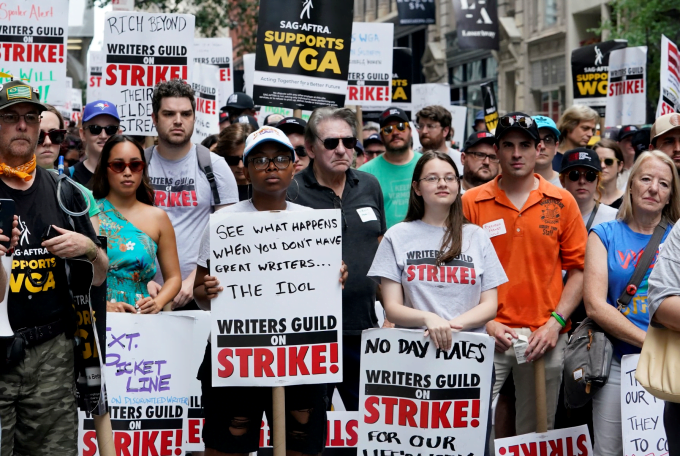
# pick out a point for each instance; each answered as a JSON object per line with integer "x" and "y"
{"x": 598, "y": 56}
{"x": 307, "y": 8}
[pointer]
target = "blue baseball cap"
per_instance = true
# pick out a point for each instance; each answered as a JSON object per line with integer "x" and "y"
{"x": 547, "y": 122}
{"x": 479, "y": 115}
{"x": 98, "y": 108}
{"x": 263, "y": 135}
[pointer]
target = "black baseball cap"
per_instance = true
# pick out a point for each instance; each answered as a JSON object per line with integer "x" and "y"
{"x": 373, "y": 139}
{"x": 15, "y": 92}
{"x": 580, "y": 157}
{"x": 359, "y": 148}
{"x": 250, "y": 120}
{"x": 626, "y": 131}
{"x": 290, "y": 125}
{"x": 392, "y": 113}
{"x": 479, "y": 137}
{"x": 224, "y": 116}
{"x": 517, "y": 121}
{"x": 239, "y": 100}
{"x": 641, "y": 140}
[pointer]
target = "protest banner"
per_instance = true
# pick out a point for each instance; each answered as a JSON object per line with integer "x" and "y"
{"x": 626, "y": 93}
{"x": 428, "y": 95}
{"x": 414, "y": 397}
{"x": 590, "y": 73}
{"x": 303, "y": 52}
{"x": 641, "y": 415}
{"x": 669, "y": 93}
{"x": 568, "y": 442}
{"x": 285, "y": 112}
{"x": 248, "y": 73}
{"x": 76, "y": 105}
{"x": 272, "y": 326}
{"x": 458, "y": 119}
{"x": 416, "y": 12}
{"x": 490, "y": 106}
{"x": 206, "y": 93}
{"x": 33, "y": 35}
{"x": 370, "y": 65}
{"x": 402, "y": 79}
{"x": 95, "y": 66}
{"x": 476, "y": 24}
{"x": 147, "y": 384}
{"x": 139, "y": 54}
{"x": 217, "y": 52}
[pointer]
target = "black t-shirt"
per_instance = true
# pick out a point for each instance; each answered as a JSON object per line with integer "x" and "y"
{"x": 363, "y": 221}
{"x": 46, "y": 299}
{"x": 82, "y": 175}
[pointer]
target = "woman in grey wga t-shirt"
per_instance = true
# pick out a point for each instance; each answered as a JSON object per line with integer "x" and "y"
{"x": 436, "y": 269}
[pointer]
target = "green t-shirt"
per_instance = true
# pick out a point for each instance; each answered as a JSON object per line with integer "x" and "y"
{"x": 395, "y": 181}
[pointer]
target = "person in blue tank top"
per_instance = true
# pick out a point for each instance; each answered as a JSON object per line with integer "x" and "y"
{"x": 652, "y": 194}
{"x": 137, "y": 232}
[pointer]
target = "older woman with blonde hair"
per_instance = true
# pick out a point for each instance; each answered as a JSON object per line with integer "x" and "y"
{"x": 651, "y": 197}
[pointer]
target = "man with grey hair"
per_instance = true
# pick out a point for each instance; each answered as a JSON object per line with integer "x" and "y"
{"x": 329, "y": 183}
{"x": 371, "y": 128}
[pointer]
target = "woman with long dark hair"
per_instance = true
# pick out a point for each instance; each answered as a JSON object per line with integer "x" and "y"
{"x": 137, "y": 232}
{"x": 436, "y": 269}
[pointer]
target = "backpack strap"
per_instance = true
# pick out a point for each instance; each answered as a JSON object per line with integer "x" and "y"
{"x": 205, "y": 163}
{"x": 591, "y": 219}
{"x": 148, "y": 153}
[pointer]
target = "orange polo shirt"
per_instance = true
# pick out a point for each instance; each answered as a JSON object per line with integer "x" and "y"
{"x": 534, "y": 245}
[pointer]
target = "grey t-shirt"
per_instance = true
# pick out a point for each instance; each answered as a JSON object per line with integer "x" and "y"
{"x": 604, "y": 214}
{"x": 183, "y": 191}
{"x": 455, "y": 156}
{"x": 664, "y": 281}
{"x": 407, "y": 255}
{"x": 556, "y": 181}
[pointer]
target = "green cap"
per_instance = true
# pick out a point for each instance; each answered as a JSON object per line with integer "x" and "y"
{"x": 15, "y": 92}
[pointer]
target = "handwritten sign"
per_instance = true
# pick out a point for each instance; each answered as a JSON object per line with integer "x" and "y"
{"x": 626, "y": 93}
{"x": 206, "y": 93}
{"x": 95, "y": 66}
{"x": 143, "y": 49}
{"x": 641, "y": 415}
{"x": 413, "y": 396}
{"x": 428, "y": 95}
{"x": 279, "y": 319}
{"x": 33, "y": 38}
{"x": 370, "y": 65}
{"x": 569, "y": 441}
{"x": 218, "y": 53}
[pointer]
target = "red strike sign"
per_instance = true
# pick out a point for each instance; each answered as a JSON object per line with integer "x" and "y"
{"x": 626, "y": 87}
{"x": 95, "y": 81}
{"x": 422, "y": 414}
{"x": 139, "y": 443}
{"x": 143, "y": 75}
{"x": 567, "y": 446}
{"x": 286, "y": 361}
{"x": 206, "y": 106}
{"x": 35, "y": 53}
{"x": 368, "y": 93}
{"x": 195, "y": 430}
{"x": 225, "y": 74}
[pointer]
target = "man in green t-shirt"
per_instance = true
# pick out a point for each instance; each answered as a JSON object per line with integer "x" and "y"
{"x": 394, "y": 168}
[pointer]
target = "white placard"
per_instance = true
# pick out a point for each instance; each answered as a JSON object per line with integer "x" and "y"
{"x": 248, "y": 72}
{"x": 206, "y": 94}
{"x": 141, "y": 50}
{"x": 569, "y": 441}
{"x": 429, "y": 94}
{"x": 76, "y": 105}
{"x": 95, "y": 68}
{"x": 279, "y": 319}
{"x": 641, "y": 415}
{"x": 123, "y": 5}
{"x": 669, "y": 93}
{"x": 458, "y": 119}
{"x": 412, "y": 393}
{"x": 626, "y": 93}
{"x": 370, "y": 65}
{"x": 217, "y": 52}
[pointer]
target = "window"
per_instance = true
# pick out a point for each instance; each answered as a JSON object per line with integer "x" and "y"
{"x": 550, "y": 16}
{"x": 457, "y": 75}
{"x": 547, "y": 72}
{"x": 476, "y": 70}
{"x": 552, "y": 103}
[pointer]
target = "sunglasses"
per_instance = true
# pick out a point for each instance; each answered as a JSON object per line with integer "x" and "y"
{"x": 56, "y": 136}
{"x": 136, "y": 166}
{"x": 97, "y": 129}
{"x": 574, "y": 175}
{"x": 300, "y": 151}
{"x": 233, "y": 160}
{"x": 401, "y": 126}
{"x": 522, "y": 121}
{"x": 332, "y": 143}
{"x": 608, "y": 161}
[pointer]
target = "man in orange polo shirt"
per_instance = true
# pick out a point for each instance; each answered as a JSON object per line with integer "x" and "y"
{"x": 537, "y": 231}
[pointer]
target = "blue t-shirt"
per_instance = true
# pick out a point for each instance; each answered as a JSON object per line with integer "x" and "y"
{"x": 624, "y": 249}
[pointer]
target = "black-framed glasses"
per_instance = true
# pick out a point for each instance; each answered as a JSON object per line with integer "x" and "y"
{"x": 482, "y": 156}
{"x": 332, "y": 143}
{"x": 608, "y": 161}
{"x": 387, "y": 130}
{"x": 522, "y": 121}
{"x": 96, "y": 130}
{"x": 136, "y": 166}
{"x": 549, "y": 140}
{"x": 11, "y": 118}
{"x": 280, "y": 161}
{"x": 56, "y": 136}
{"x": 233, "y": 160}
{"x": 300, "y": 151}
{"x": 434, "y": 180}
{"x": 574, "y": 175}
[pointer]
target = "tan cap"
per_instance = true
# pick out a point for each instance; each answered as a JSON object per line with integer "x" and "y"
{"x": 664, "y": 124}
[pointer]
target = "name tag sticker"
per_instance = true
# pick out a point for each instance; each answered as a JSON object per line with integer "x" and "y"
{"x": 366, "y": 214}
{"x": 495, "y": 228}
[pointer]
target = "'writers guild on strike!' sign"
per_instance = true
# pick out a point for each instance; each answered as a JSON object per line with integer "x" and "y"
{"x": 279, "y": 319}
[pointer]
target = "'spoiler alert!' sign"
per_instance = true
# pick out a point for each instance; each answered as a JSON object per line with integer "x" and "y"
{"x": 302, "y": 54}
{"x": 417, "y": 399}
{"x": 279, "y": 319}
{"x": 143, "y": 49}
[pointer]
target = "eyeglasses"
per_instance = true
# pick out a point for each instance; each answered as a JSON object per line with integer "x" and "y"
{"x": 136, "y": 166}
{"x": 522, "y": 121}
{"x": 608, "y": 161}
{"x": 30, "y": 118}
{"x": 332, "y": 143}
{"x": 401, "y": 126}
{"x": 280, "y": 161}
{"x": 448, "y": 179}
{"x": 428, "y": 126}
{"x": 300, "y": 151}
{"x": 233, "y": 160}
{"x": 482, "y": 156}
{"x": 56, "y": 136}
{"x": 548, "y": 140}
{"x": 575, "y": 175}
{"x": 96, "y": 130}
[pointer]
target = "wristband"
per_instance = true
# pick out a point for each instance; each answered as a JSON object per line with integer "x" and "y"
{"x": 559, "y": 319}
{"x": 96, "y": 254}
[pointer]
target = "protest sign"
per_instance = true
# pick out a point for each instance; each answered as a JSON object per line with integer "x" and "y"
{"x": 303, "y": 51}
{"x": 641, "y": 415}
{"x": 370, "y": 65}
{"x": 123, "y": 5}
{"x": 476, "y": 24}
{"x": 428, "y": 95}
{"x": 217, "y": 52}
{"x": 95, "y": 66}
{"x": 569, "y": 441}
{"x": 206, "y": 93}
{"x": 285, "y": 112}
{"x": 413, "y": 396}
{"x": 416, "y": 12}
{"x": 272, "y": 325}
{"x": 402, "y": 79}
{"x": 140, "y": 53}
{"x": 490, "y": 107}
{"x": 669, "y": 94}
{"x": 147, "y": 383}
{"x": 33, "y": 36}
{"x": 458, "y": 119}
{"x": 248, "y": 73}
{"x": 76, "y": 105}
{"x": 626, "y": 94}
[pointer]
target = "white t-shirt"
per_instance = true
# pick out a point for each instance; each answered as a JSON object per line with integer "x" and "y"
{"x": 622, "y": 179}
{"x": 407, "y": 255}
{"x": 455, "y": 155}
{"x": 183, "y": 192}
{"x": 604, "y": 214}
